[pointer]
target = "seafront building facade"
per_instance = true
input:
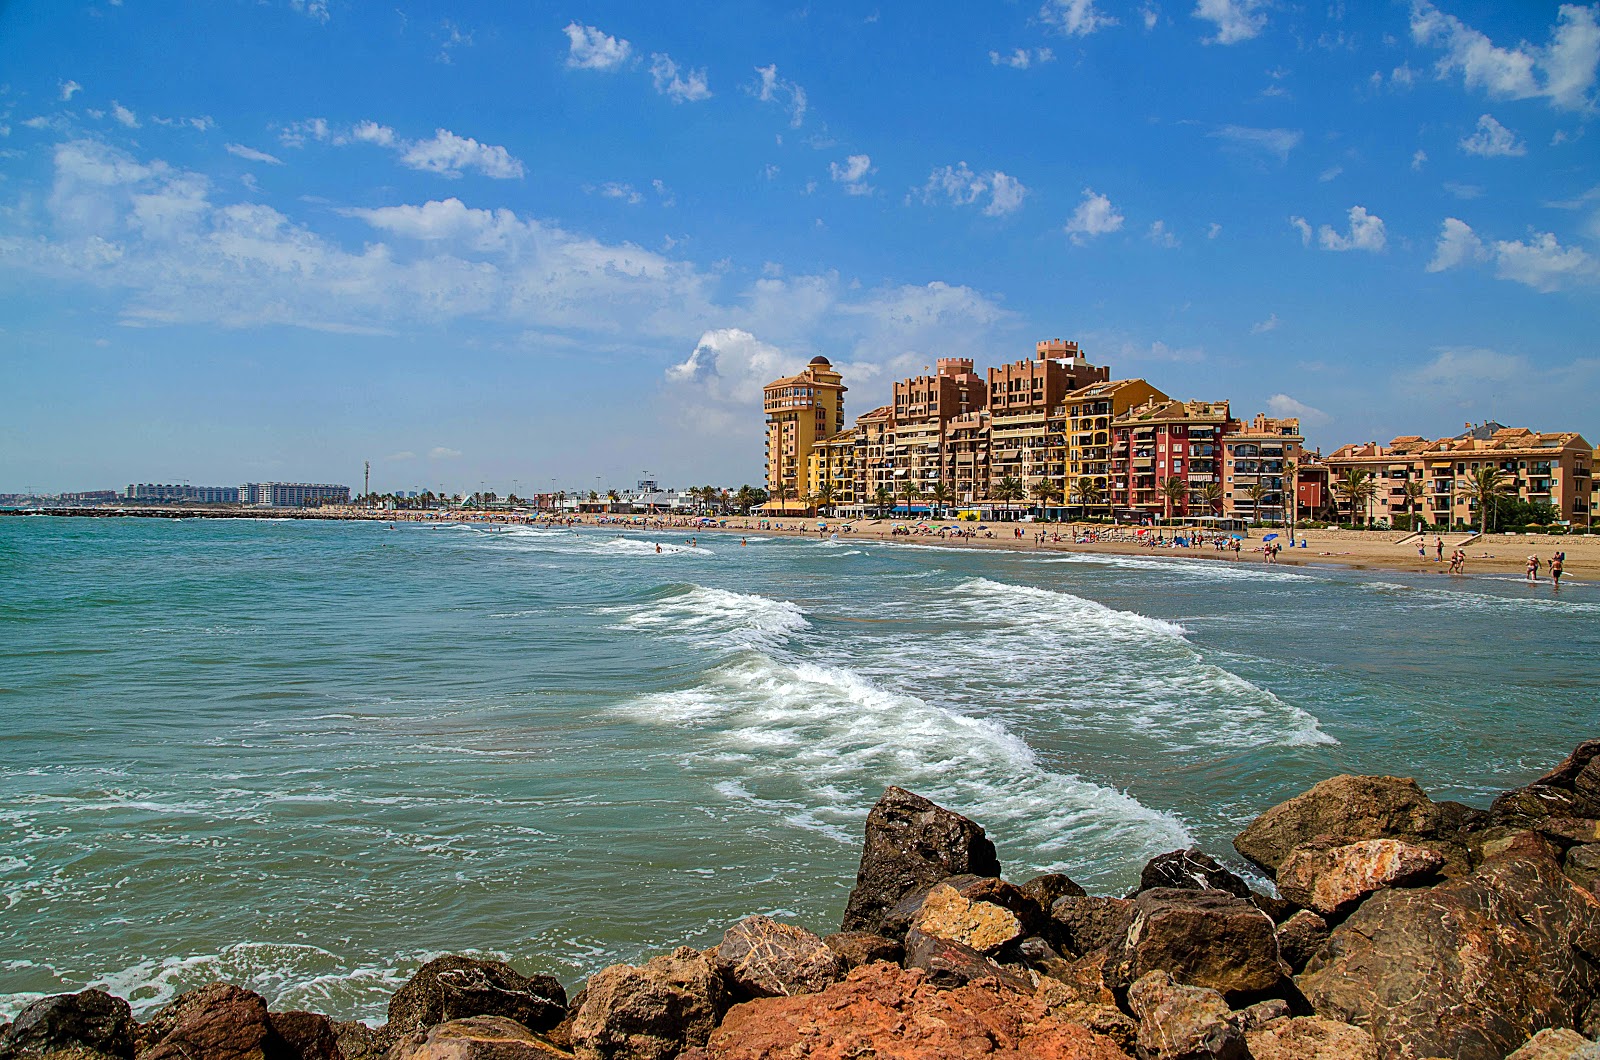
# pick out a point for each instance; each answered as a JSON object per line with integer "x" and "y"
{"x": 293, "y": 494}
{"x": 802, "y": 410}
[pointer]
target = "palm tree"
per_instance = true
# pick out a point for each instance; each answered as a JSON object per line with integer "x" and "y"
{"x": 784, "y": 491}
{"x": 1413, "y": 490}
{"x": 1008, "y": 490}
{"x": 1257, "y": 493}
{"x": 1174, "y": 489}
{"x": 909, "y": 490}
{"x": 1356, "y": 487}
{"x": 883, "y": 498}
{"x": 1291, "y": 470}
{"x": 1088, "y": 493}
{"x": 1484, "y": 486}
{"x": 1046, "y": 492}
{"x": 824, "y": 497}
{"x": 942, "y": 495}
{"x": 1210, "y": 495}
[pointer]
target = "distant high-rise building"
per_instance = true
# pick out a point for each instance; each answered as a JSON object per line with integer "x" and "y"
{"x": 802, "y": 410}
{"x": 293, "y": 494}
{"x": 182, "y": 494}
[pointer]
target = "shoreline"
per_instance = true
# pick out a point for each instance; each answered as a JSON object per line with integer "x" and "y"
{"x": 1497, "y": 554}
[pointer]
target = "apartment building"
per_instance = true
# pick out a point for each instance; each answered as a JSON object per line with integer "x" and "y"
{"x": 802, "y": 410}
{"x": 1163, "y": 440}
{"x": 1254, "y": 456}
{"x": 923, "y": 408}
{"x": 833, "y": 465}
{"x": 1090, "y": 412}
{"x": 1028, "y": 413}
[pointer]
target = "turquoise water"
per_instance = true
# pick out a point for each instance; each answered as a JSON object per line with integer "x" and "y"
{"x": 308, "y": 756}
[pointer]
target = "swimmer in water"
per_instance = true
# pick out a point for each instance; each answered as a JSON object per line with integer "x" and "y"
{"x": 658, "y": 550}
{"x": 743, "y": 543}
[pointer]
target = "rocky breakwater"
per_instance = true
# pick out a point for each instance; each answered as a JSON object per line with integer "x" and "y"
{"x": 1402, "y": 928}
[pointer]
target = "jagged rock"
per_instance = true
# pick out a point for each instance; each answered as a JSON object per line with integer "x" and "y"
{"x": 1207, "y": 938}
{"x": 216, "y": 1022}
{"x": 1047, "y": 888}
{"x": 1008, "y": 896}
{"x": 1183, "y": 1022}
{"x": 856, "y": 948}
{"x": 92, "y": 1019}
{"x": 982, "y": 926}
{"x": 762, "y": 958}
{"x": 307, "y": 1035}
{"x": 456, "y": 987}
{"x": 1299, "y": 937}
{"x": 1557, "y": 1044}
{"x": 1260, "y": 1014}
{"x": 1085, "y": 924}
{"x": 1467, "y": 969}
{"x": 1583, "y": 866}
{"x": 1532, "y": 805}
{"x": 1348, "y": 809}
{"x": 1099, "y": 1014}
{"x": 1190, "y": 870}
{"x": 474, "y": 1038}
{"x": 1589, "y": 1022}
{"x": 1310, "y": 1038}
{"x": 357, "y": 1041}
{"x": 1570, "y": 831}
{"x": 650, "y": 1012}
{"x": 1332, "y": 881}
{"x": 912, "y": 844}
{"x": 893, "y": 1014}
{"x": 949, "y": 964}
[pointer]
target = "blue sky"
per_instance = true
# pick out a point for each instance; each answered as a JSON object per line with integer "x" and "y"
{"x": 513, "y": 244}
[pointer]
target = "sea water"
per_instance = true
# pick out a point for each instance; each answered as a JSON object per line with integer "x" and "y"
{"x": 307, "y": 756}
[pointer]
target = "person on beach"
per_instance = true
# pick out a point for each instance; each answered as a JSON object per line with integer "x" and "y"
{"x": 1557, "y": 562}
{"x": 1438, "y": 548}
{"x": 1422, "y": 548}
{"x": 1533, "y": 569}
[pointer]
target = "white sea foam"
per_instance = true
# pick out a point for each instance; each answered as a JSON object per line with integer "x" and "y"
{"x": 719, "y": 618}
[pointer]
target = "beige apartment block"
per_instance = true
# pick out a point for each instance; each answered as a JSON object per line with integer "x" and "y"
{"x": 1255, "y": 454}
{"x": 923, "y": 408}
{"x": 802, "y": 410}
{"x": 833, "y": 465}
{"x": 1556, "y": 469}
{"x": 1090, "y": 412}
{"x": 1028, "y": 414}
{"x": 1162, "y": 440}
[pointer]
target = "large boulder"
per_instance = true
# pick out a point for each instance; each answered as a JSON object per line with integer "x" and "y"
{"x": 1310, "y": 1038}
{"x": 856, "y": 948}
{"x": 357, "y": 1041}
{"x": 1571, "y": 790}
{"x": 1084, "y": 924}
{"x": 1557, "y": 1044}
{"x": 982, "y": 926}
{"x": 215, "y": 1022}
{"x": 1334, "y": 880}
{"x": 1047, "y": 888}
{"x": 1467, "y": 969}
{"x": 1179, "y": 1022}
{"x": 650, "y": 1012}
{"x": 762, "y": 958}
{"x": 475, "y": 1038}
{"x": 456, "y": 987}
{"x": 1583, "y": 866}
{"x": 1299, "y": 937}
{"x": 894, "y": 1014}
{"x": 307, "y": 1035}
{"x": 1205, "y": 938}
{"x": 91, "y": 1020}
{"x": 1191, "y": 870}
{"x": 949, "y": 963}
{"x": 1348, "y": 809}
{"x": 912, "y": 844}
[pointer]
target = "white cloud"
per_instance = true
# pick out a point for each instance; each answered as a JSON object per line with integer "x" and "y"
{"x": 451, "y": 38}
{"x": 404, "y": 454}
{"x": 124, "y": 115}
{"x": 1418, "y": 158}
{"x": 440, "y": 452}
{"x": 688, "y": 88}
{"x": 203, "y": 123}
{"x": 770, "y": 88}
{"x": 1540, "y": 261}
{"x": 959, "y": 185}
{"x": 295, "y": 134}
{"x": 664, "y": 193}
{"x": 1076, "y": 18}
{"x": 1302, "y": 226}
{"x": 370, "y": 132}
{"x": 1022, "y": 58}
{"x": 1331, "y": 173}
{"x": 1465, "y": 373}
{"x": 1236, "y": 20}
{"x": 1493, "y": 140}
{"x": 450, "y": 155}
{"x": 1277, "y": 142}
{"x": 1161, "y": 235}
{"x": 1214, "y": 230}
{"x": 853, "y": 174}
{"x": 1562, "y": 71}
{"x": 251, "y": 154}
{"x": 68, "y": 89}
{"x": 1282, "y": 405}
{"x": 1261, "y": 327}
{"x": 1150, "y": 14}
{"x": 730, "y": 366}
{"x": 625, "y": 192}
{"x": 1366, "y": 233}
{"x": 1458, "y": 245}
{"x": 316, "y": 10}
{"x": 1464, "y": 192}
{"x": 589, "y": 49}
{"x": 1095, "y": 216}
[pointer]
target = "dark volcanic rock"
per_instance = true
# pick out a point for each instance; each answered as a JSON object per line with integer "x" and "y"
{"x": 455, "y": 987}
{"x": 1467, "y": 969}
{"x": 1086, "y": 924}
{"x": 650, "y": 1012}
{"x": 92, "y": 1020}
{"x": 1052, "y": 885}
{"x": 1348, "y": 809}
{"x": 1207, "y": 938}
{"x": 307, "y": 1035}
{"x": 950, "y": 964}
{"x": 761, "y": 957}
{"x": 1183, "y": 1022}
{"x": 1189, "y": 870}
{"x": 912, "y": 844}
{"x": 1301, "y": 936}
{"x": 856, "y": 948}
{"x": 216, "y": 1022}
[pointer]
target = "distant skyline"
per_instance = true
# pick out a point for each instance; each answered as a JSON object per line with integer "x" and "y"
{"x": 479, "y": 243}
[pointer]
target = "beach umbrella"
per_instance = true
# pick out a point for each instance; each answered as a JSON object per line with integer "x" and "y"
{"x": 1237, "y": 537}
{"x": 1270, "y": 537}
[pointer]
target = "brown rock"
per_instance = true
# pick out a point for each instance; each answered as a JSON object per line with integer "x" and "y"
{"x": 92, "y": 1019}
{"x": 1467, "y": 969}
{"x": 456, "y": 987}
{"x": 1536, "y": 803}
{"x": 1083, "y": 925}
{"x": 1101, "y": 1016}
{"x": 1190, "y": 870}
{"x": 1333, "y": 881}
{"x": 887, "y": 1013}
{"x": 1183, "y": 1022}
{"x": 1260, "y": 1014}
{"x": 1008, "y": 896}
{"x": 1347, "y": 809}
{"x": 1583, "y": 867}
{"x": 1299, "y": 937}
{"x": 856, "y": 948}
{"x": 949, "y": 964}
{"x": 1571, "y": 830}
{"x": 1557, "y": 1044}
{"x": 1207, "y": 938}
{"x": 307, "y": 1035}
{"x": 1052, "y": 885}
{"x": 357, "y": 1041}
{"x": 984, "y": 927}
{"x": 1310, "y": 1038}
{"x": 912, "y": 844}
{"x": 650, "y": 1012}
{"x": 762, "y": 958}
{"x": 1576, "y": 764}
{"x": 216, "y": 1022}
{"x": 474, "y": 1038}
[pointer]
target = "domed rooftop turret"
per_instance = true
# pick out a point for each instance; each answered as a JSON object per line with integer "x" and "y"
{"x": 822, "y": 361}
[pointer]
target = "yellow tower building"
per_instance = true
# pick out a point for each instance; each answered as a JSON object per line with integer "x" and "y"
{"x": 802, "y": 410}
